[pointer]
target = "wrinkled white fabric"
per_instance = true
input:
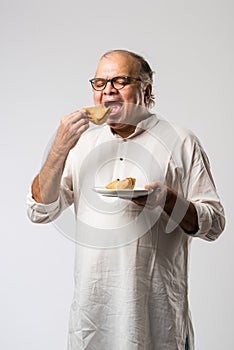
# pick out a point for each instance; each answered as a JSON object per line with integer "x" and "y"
{"x": 134, "y": 295}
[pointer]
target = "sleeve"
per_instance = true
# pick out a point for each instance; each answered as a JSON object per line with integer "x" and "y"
{"x": 45, "y": 213}
{"x": 201, "y": 191}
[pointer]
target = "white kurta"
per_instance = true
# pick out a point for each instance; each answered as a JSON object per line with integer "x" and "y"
{"x": 131, "y": 264}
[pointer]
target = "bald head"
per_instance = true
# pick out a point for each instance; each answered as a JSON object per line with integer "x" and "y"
{"x": 137, "y": 63}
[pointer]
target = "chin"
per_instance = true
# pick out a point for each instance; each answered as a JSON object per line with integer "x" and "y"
{"x": 115, "y": 120}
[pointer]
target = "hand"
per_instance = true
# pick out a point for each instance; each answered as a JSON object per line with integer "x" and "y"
{"x": 46, "y": 185}
{"x": 154, "y": 199}
{"x": 70, "y": 129}
{"x": 178, "y": 208}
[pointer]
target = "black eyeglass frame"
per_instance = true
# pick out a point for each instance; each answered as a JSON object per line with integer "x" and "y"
{"x": 125, "y": 77}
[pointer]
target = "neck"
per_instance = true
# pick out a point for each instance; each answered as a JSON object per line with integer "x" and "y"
{"x": 123, "y": 130}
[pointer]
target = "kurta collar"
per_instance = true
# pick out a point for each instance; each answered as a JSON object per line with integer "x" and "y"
{"x": 142, "y": 126}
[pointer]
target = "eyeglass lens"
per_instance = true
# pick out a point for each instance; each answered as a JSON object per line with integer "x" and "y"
{"x": 117, "y": 82}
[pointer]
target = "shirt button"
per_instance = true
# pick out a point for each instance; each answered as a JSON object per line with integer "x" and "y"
{"x": 124, "y": 140}
{"x": 120, "y": 158}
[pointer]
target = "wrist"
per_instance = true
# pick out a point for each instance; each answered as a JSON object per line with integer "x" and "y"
{"x": 181, "y": 211}
{"x": 57, "y": 156}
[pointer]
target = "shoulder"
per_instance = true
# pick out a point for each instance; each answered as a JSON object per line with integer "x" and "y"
{"x": 182, "y": 132}
{"x": 173, "y": 135}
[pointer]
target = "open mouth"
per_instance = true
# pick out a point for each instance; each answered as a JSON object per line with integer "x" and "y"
{"x": 116, "y": 107}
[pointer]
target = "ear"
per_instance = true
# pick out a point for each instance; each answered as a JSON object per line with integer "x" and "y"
{"x": 147, "y": 94}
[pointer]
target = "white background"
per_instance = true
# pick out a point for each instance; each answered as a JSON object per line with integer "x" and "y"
{"x": 49, "y": 50}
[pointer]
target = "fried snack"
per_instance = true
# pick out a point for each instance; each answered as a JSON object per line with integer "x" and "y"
{"x": 126, "y": 184}
{"x": 98, "y": 115}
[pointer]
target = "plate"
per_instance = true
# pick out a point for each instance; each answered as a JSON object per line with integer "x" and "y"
{"x": 137, "y": 192}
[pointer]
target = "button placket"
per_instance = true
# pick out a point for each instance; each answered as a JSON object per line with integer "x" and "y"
{"x": 121, "y": 164}
{"x": 123, "y": 150}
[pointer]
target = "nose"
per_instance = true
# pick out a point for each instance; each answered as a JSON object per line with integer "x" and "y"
{"x": 109, "y": 89}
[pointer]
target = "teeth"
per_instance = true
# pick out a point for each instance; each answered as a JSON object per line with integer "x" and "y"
{"x": 107, "y": 104}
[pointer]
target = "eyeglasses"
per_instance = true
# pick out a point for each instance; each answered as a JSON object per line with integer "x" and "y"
{"x": 117, "y": 83}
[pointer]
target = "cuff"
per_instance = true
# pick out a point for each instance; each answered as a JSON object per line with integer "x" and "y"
{"x": 204, "y": 219}
{"x": 41, "y": 207}
{"x": 40, "y": 212}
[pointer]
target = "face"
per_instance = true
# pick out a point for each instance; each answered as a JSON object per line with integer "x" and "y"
{"x": 126, "y": 101}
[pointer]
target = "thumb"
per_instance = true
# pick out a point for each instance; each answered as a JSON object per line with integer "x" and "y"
{"x": 152, "y": 185}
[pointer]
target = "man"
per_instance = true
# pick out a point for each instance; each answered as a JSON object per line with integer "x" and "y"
{"x": 131, "y": 253}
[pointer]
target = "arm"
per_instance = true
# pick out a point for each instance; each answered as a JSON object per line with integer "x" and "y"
{"x": 182, "y": 210}
{"x": 189, "y": 220}
{"x": 46, "y": 185}
{"x": 197, "y": 207}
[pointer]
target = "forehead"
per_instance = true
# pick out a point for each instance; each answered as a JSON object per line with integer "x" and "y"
{"x": 117, "y": 64}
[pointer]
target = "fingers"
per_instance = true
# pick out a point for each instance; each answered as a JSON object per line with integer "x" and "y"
{"x": 75, "y": 120}
{"x": 155, "y": 198}
{"x": 152, "y": 185}
{"x": 75, "y": 117}
{"x": 71, "y": 127}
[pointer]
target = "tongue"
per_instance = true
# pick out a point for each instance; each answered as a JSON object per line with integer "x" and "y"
{"x": 115, "y": 109}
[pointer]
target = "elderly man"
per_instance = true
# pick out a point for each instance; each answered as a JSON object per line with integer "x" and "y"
{"x": 132, "y": 250}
